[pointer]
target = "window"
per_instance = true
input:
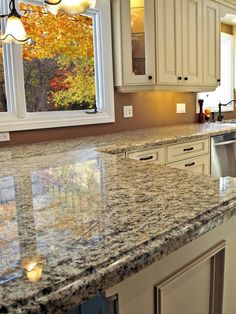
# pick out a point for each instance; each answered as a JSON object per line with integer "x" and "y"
{"x": 224, "y": 92}
{"x": 64, "y": 74}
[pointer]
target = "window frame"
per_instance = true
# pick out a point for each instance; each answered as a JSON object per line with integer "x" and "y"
{"x": 17, "y": 118}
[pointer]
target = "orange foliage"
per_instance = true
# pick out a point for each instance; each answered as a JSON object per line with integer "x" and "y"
{"x": 59, "y": 81}
{"x": 58, "y": 34}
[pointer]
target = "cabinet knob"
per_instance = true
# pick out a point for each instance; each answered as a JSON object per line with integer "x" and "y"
{"x": 150, "y": 77}
{"x": 218, "y": 80}
{"x": 179, "y": 78}
{"x": 186, "y": 78}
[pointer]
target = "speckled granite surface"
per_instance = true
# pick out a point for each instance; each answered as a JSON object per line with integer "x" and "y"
{"x": 90, "y": 219}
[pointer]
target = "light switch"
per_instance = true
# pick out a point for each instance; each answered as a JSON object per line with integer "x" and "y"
{"x": 181, "y": 108}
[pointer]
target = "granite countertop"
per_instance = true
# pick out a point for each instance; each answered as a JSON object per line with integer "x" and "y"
{"x": 75, "y": 220}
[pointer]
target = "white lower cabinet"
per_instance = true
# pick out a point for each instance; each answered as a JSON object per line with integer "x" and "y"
{"x": 190, "y": 155}
{"x": 199, "y": 278}
{"x": 200, "y": 164}
{"x": 156, "y": 155}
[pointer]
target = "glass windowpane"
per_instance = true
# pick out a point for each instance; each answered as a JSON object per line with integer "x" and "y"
{"x": 59, "y": 67}
{"x": 138, "y": 36}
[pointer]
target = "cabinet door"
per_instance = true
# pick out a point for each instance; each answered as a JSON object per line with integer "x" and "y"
{"x": 192, "y": 42}
{"x": 156, "y": 155}
{"x": 211, "y": 42}
{"x": 198, "y": 164}
{"x": 138, "y": 42}
{"x": 177, "y": 152}
{"x": 197, "y": 288}
{"x": 169, "y": 42}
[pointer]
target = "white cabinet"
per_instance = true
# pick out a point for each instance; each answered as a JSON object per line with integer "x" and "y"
{"x": 192, "y": 156}
{"x": 192, "y": 42}
{"x": 169, "y": 42}
{"x": 195, "y": 288}
{"x": 134, "y": 42}
{"x": 179, "y": 42}
{"x": 198, "y": 278}
{"x": 156, "y": 155}
{"x": 189, "y": 149}
{"x": 186, "y": 54}
{"x": 211, "y": 42}
{"x": 200, "y": 164}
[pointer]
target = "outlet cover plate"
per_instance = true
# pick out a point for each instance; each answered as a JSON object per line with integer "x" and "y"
{"x": 4, "y": 136}
{"x": 181, "y": 108}
{"x": 128, "y": 111}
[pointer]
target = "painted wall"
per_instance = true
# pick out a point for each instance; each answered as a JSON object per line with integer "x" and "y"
{"x": 151, "y": 109}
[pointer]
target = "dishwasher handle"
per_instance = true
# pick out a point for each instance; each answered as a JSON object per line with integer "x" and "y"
{"x": 225, "y": 143}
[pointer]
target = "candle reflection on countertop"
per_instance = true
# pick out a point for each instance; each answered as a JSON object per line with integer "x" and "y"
{"x": 33, "y": 267}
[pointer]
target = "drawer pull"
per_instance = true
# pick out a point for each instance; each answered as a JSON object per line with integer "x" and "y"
{"x": 146, "y": 158}
{"x": 190, "y": 164}
{"x": 188, "y": 149}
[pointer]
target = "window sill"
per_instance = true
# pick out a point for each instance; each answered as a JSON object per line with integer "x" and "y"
{"x": 45, "y": 120}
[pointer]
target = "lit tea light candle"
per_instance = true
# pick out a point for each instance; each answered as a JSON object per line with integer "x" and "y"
{"x": 34, "y": 268}
{"x": 35, "y": 274}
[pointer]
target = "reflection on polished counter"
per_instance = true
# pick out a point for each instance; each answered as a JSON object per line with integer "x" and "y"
{"x": 75, "y": 221}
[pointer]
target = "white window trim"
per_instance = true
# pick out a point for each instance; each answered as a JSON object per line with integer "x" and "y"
{"x": 18, "y": 119}
{"x": 214, "y": 107}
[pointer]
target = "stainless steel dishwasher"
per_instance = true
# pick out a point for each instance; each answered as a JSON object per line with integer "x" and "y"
{"x": 223, "y": 155}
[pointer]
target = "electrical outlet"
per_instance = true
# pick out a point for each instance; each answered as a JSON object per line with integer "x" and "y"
{"x": 181, "y": 108}
{"x": 4, "y": 136}
{"x": 128, "y": 111}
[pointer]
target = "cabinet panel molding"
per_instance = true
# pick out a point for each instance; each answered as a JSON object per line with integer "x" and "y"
{"x": 192, "y": 42}
{"x": 169, "y": 41}
{"x": 211, "y": 42}
{"x": 199, "y": 164}
{"x": 124, "y": 44}
{"x": 177, "y": 152}
{"x": 195, "y": 288}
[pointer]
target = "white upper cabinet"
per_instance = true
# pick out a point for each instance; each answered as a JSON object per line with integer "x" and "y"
{"x": 169, "y": 42}
{"x": 134, "y": 42}
{"x": 211, "y": 42}
{"x": 179, "y": 42}
{"x": 192, "y": 31}
{"x": 166, "y": 44}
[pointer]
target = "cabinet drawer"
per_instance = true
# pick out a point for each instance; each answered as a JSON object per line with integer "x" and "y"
{"x": 178, "y": 152}
{"x": 198, "y": 164}
{"x": 156, "y": 155}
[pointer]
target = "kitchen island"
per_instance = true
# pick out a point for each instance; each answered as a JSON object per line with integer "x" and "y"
{"x": 76, "y": 220}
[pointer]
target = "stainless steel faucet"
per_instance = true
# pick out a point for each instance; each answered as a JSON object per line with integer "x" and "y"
{"x": 220, "y": 117}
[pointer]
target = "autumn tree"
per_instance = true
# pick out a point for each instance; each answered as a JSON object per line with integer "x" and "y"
{"x": 59, "y": 63}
